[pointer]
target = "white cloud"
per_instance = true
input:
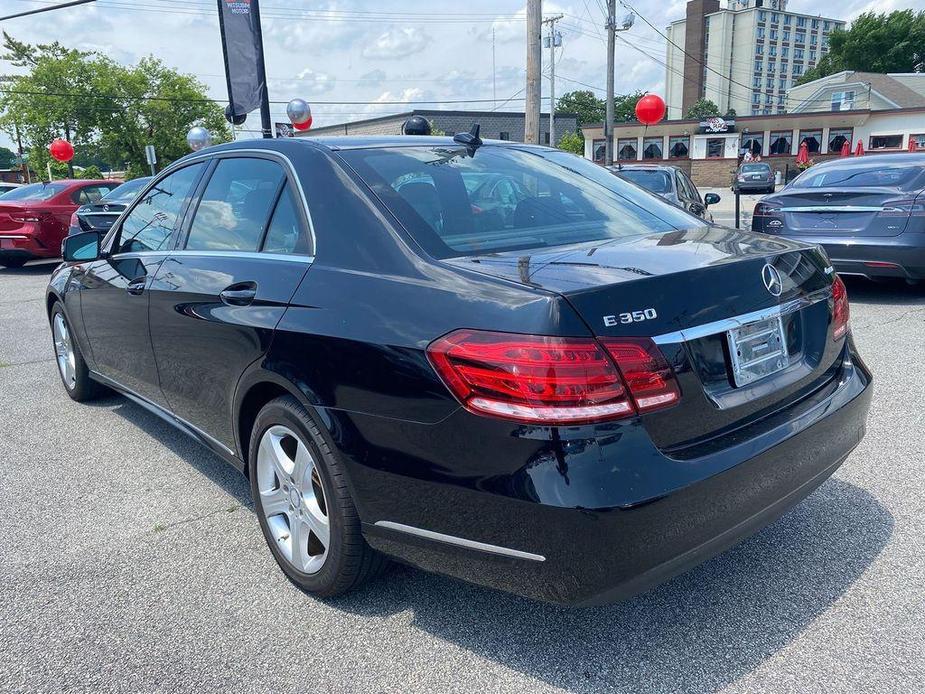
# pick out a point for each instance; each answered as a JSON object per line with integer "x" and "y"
{"x": 395, "y": 43}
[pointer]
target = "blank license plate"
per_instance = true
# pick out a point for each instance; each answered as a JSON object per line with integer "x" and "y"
{"x": 757, "y": 349}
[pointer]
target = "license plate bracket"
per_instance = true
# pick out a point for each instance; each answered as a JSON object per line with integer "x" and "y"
{"x": 757, "y": 350}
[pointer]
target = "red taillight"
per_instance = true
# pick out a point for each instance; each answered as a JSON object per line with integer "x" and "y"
{"x": 24, "y": 216}
{"x": 763, "y": 209}
{"x": 74, "y": 222}
{"x": 904, "y": 208}
{"x": 839, "y": 308}
{"x": 648, "y": 376}
{"x": 549, "y": 380}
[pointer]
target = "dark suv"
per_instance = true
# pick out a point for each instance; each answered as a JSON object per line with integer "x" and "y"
{"x": 488, "y": 359}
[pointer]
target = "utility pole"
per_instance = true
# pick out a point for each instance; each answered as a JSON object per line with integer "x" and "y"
{"x": 494, "y": 90}
{"x": 534, "y": 65}
{"x": 611, "y": 40}
{"x": 553, "y": 40}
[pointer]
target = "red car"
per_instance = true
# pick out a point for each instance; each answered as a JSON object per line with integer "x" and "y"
{"x": 34, "y": 218}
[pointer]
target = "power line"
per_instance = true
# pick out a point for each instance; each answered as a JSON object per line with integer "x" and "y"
{"x": 61, "y": 6}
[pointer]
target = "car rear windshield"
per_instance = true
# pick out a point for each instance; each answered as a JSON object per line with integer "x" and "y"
{"x": 863, "y": 176}
{"x": 36, "y": 191}
{"x": 755, "y": 168}
{"x": 654, "y": 181}
{"x": 503, "y": 198}
{"x": 127, "y": 191}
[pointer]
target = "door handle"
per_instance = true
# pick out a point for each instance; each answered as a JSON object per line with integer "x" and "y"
{"x": 137, "y": 285}
{"x": 239, "y": 294}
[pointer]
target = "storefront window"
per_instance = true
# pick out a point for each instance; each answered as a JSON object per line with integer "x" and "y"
{"x": 626, "y": 149}
{"x": 679, "y": 147}
{"x": 886, "y": 141}
{"x": 813, "y": 140}
{"x": 599, "y": 150}
{"x": 781, "y": 142}
{"x": 919, "y": 140}
{"x": 754, "y": 143}
{"x": 652, "y": 148}
{"x": 838, "y": 137}
{"x": 715, "y": 148}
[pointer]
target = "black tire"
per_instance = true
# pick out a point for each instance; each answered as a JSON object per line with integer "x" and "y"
{"x": 83, "y": 387}
{"x": 350, "y": 561}
{"x": 14, "y": 262}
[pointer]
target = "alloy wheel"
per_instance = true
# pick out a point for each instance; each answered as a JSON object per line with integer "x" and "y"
{"x": 292, "y": 498}
{"x": 64, "y": 351}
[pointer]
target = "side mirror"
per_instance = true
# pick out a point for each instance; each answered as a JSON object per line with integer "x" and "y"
{"x": 710, "y": 199}
{"x": 81, "y": 247}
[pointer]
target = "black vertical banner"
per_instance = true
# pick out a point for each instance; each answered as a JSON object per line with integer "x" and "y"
{"x": 242, "y": 46}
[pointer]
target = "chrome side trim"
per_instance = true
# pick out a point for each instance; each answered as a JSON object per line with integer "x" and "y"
{"x": 720, "y": 326}
{"x": 837, "y": 208}
{"x": 291, "y": 258}
{"x": 13, "y": 236}
{"x": 460, "y": 541}
{"x": 159, "y": 411}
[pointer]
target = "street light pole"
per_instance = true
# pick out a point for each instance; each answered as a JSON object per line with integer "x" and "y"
{"x": 551, "y": 38}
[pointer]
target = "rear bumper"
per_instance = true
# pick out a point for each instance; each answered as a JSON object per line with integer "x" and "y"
{"x": 866, "y": 256}
{"x": 606, "y": 518}
{"x": 753, "y": 185}
{"x": 24, "y": 246}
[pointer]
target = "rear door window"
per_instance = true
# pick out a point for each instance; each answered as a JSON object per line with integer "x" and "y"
{"x": 149, "y": 226}
{"x": 90, "y": 194}
{"x": 235, "y": 207}
{"x": 286, "y": 233}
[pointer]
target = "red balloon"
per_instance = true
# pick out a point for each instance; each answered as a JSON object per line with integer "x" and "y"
{"x": 303, "y": 126}
{"x": 61, "y": 149}
{"x": 650, "y": 109}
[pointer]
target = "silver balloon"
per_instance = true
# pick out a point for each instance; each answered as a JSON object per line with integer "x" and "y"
{"x": 198, "y": 138}
{"x": 298, "y": 111}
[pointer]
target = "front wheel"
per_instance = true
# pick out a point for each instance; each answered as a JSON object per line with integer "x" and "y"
{"x": 75, "y": 376}
{"x": 303, "y": 504}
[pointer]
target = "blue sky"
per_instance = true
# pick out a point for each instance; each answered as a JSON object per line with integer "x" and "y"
{"x": 380, "y": 52}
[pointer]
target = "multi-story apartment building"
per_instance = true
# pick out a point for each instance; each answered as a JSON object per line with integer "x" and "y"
{"x": 744, "y": 57}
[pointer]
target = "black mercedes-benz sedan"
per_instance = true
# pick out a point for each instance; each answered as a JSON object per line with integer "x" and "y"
{"x": 572, "y": 391}
{"x": 100, "y": 215}
{"x": 868, "y": 213}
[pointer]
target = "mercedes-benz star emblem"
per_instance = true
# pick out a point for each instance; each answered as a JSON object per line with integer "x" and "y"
{"x": 772, "y": 280}
{"x": 105, "y": 208}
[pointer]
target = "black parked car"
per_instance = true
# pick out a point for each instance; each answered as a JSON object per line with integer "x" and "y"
{"x": 867, "y": 212}
{"x": 101, "y": 215}
{"x": 671, "y": 183}
{"x": 573, "y": 401}
{"x": 753, "y": 177}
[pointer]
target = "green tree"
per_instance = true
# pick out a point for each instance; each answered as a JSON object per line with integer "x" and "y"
{"x": 874, "y": 43}
{"x": 108, "y": 111}
{"x": 590, "y": 109}
{"x": 572, "y": 142}
{"x": 703, "y": 108}
{"x": 587, "y": 107}
{"x": 91, "y": 171}
{"x": 7, "y": 158}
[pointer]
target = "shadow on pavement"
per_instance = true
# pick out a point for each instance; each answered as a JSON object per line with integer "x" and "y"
{"x": 865, "y": 291}
{"x": 31, "y": 269}
{"x": 699, "y": 632}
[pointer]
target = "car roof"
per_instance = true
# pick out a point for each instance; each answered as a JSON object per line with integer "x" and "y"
{"x": 909, "y": 158}
{"x": 345, "y": 142}
{"x": 642, "y": 167}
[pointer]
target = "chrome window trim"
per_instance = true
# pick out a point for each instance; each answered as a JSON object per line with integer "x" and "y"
{"x": 720, "y": 326}
{"x": 207, "y": 156}
{"x": 460, "y": 541}
{"x": 288, "y": 257}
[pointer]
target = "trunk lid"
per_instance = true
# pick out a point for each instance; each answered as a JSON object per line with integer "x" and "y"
{"x": 687, "y": 289}
{"x": 854, "y": 212}
{"x": 99, "y": 216}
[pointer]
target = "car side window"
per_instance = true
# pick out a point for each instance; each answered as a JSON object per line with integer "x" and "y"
{"x": 692, "y": 189}
{"x": 683, "y": 192}
{"x": 235, "y": 207}
{"x": 151, "y": 223}
{"x": 286, "y": 233}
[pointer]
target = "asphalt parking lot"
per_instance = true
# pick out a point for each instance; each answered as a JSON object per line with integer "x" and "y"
{"x": 131, "y": 560}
